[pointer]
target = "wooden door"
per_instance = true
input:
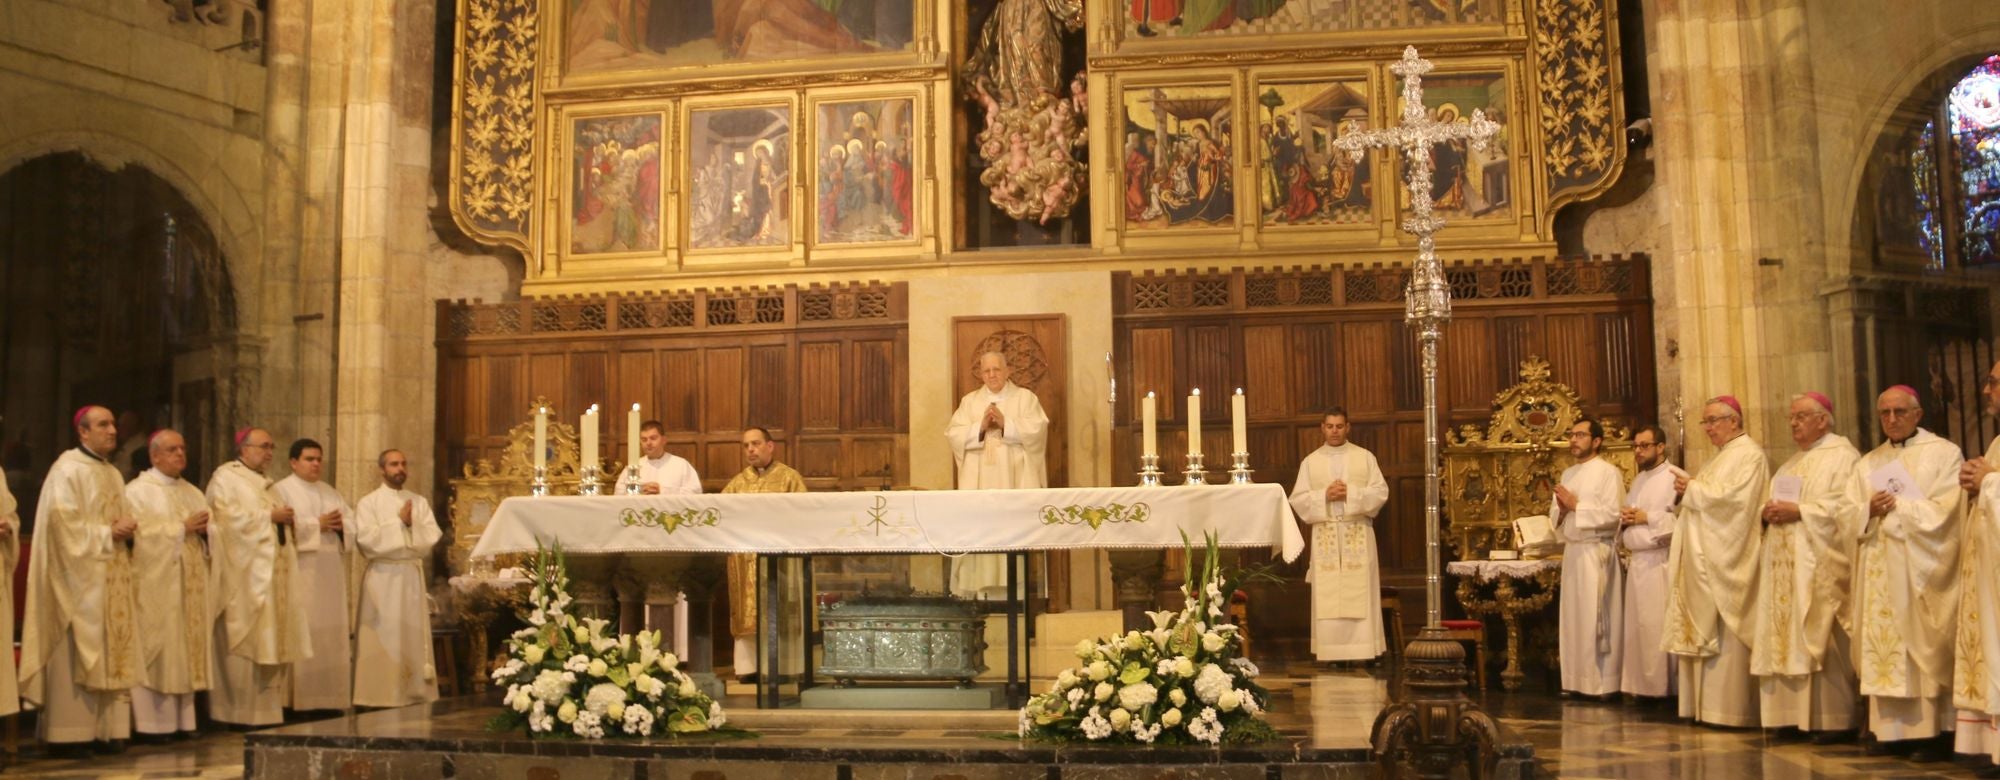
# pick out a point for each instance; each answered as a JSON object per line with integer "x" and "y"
{"x": 1036, "y": 347}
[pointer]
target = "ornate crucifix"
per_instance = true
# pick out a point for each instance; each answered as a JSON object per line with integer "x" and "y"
{"x": 1435, "y": 728}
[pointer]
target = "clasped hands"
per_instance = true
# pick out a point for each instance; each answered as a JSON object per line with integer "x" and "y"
{"x": 1780, "y": 512}
{"x": 993, "y": 421}
{"x": 1565, "y": 500}
{"x": 1631, "y": 515}
{"x": 1973, "y": 474}
{"x": 1337, "y": 491}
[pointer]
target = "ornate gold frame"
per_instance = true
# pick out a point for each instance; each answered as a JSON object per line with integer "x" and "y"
{"x": 792, "y": 252}
{"x": 923, "y": 175}
{"x": 561, "y": 218}
{"x": 1113, "y": 176}
{"x": 1383, "y": 216}
{"x": 1522, "y": 214}
{"x": 487, "y": 483}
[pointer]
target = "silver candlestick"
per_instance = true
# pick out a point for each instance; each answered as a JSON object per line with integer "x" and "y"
{"x": 540, "y": 486}
{"x": 1149, "y": 471}
{"x": 632, "y": 480}
{"x": 1195, "y": 475}
{"x": 587, "y": 481}
{"x": 1239, "y": 473}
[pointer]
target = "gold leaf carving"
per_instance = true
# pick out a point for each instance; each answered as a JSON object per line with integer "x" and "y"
{"x": 1583, "y": 144}
{"x": 492, "y": 176}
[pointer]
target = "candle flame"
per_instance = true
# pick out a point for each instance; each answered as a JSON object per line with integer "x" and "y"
{"x": 1197, "y": 391}
{"x": 635, "y": 407}
{"x": 1239, "y": 391}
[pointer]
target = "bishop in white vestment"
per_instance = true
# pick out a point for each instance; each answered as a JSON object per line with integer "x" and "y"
{"x": 392, "y": 642}
{"x": 80, "y": 644}
{"x": 260, "y": 630}
{"x": 171, "y": 555}
{"x": 10, "y": 557}
{"x": 324, "y": 545}
{"x": 1648, "y": 522}
{"x": 1339, "y": 491}
{"x": 1976, "y": 675}
{"x": 1712, "y": 573}
{"x": 1906, "y": 580}
{"x": 1802, "y": 656}
{"x": 1585, "y": 507}
{"x": 999, "y": 437}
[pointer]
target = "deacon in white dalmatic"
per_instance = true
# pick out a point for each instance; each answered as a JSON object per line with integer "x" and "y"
{"x": 1647, "y": 520}
{"x": 1976, "y": 680}
{"x": 261, "y": 627}
{"x": 1712, "y": 573}
{"x": 1339, "y": 491}
{"x": 1811, "y": 513}
{"x": 1585, "y": 508}
{"x": 325, "y": 547}
{"x": 392, "y": 639}
{"x": 999, "y": 437}
{"x": 1906, "y": 580}
{"x": 171, "y": 556}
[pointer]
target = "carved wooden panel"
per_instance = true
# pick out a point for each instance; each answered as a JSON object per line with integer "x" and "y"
{"x": 819, "y": 366}
{"x": 1364, "y": 358}
{"x": 1151, "y": 356}
{"x": 723, "y": 388}
{"x": 1037, "y": 347}
{"x": 1266, "y": 386}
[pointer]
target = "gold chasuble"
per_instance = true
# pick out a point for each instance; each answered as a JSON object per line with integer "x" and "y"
{"x": 80, "y": 582}
{"x": 779, "y": 478}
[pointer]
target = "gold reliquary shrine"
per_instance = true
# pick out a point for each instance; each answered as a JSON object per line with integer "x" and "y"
{"x": 1510, "y": 469}
{"x": 477, "y": 494}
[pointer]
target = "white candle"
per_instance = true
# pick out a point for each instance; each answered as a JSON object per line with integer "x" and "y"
{"x": 632, "y": 437}
{"x": 1149, "y": 415}
{"x": 1239, "y": 438}
{"x": 541, "y": 437}
{"x": 1194, "y": 423}
{"x": 589, "y": 434}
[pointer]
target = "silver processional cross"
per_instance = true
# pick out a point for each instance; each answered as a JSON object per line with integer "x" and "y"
{"x": 1427, "y": 301}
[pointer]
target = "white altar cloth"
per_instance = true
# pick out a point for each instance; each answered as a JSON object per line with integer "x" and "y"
{"x": 944, "y": 521}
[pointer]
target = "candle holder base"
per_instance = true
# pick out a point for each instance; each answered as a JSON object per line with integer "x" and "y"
{"x": 632, "y": 480}
{"x": 1239, "y": 473}
{"x": 587, "y": 483}
{"x": 1194, "y": 474}
{"x": 1149, "y": 471}
{"x": 540, "y": 486}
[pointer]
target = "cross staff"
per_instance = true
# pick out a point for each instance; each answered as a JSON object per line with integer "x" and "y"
{"x": 1427, "y": 301}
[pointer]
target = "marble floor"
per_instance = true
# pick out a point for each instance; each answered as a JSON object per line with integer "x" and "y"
{"x": 1315, "y": 707}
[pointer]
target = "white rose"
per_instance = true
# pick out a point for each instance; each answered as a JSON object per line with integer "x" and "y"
{"x": 1066, "y": 680}
{"x": 597, "y": 667}
{"x": 1229, "y": 700}
{"x": 1120, "y": 719}
{"x": 567, "y": 713}
{"x": 1099, "y": 671}
{"x": 1085, "y": 649}
{"x": 1104, "y": 691}
{"x": 1133, "y": 641}
{"x": 1137, "y": 696}
{"x": 1171, "y": 718}
{"x": 1177, "y": 697}
{"x": 1212, "y": 642}
{"x": 687, "y": 689}
{"x": 615, "y": 712}
{"x": 668, "y": 662}
{"x": 1184, "y": 667}
{"x": 534, "y": 654}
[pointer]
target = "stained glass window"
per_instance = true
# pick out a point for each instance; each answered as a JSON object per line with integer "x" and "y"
{"x": 1972, "y": 112}
{"x": 1923, "y": 178}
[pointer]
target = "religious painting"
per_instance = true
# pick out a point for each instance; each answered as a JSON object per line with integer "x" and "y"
{"x": 864, "y": 182}
{"x": 614, "y": 198}
{"x": 1178, "y": 171}
{"x": 1301, "y": 179}
{"x": 1973, "y": 118}
{"x": 1166, "y": 20}
{"x": 741, "y": 163}
{"x": 1469, "y": 183}
{"x": 627, "y": 35}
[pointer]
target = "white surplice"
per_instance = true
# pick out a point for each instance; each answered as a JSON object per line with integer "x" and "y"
{"x": 1976, "y": 675}
{"x": 392, "y": 644}
{"x": 10, "y": 556}
{"x": 174, "y": 635}
{"x": 1711, "y": 583}
{"x": 1645, "y": 669}
{"x": 1906, "y": 592}
{"x": 675, "y": 476}
{"x": 321, "y": 682}
{"x": 1345, "y": 569}
{"x": 1591, "y": 592}
{"x": 80, "y": 645}
{"x": 1802, "y": 654}
{"x": 261, "y": 629}
{"x": 1012, "y": 457}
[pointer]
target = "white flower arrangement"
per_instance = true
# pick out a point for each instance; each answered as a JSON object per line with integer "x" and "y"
{"x": 569, "y": 676}
{"x": 1184, "y": 681}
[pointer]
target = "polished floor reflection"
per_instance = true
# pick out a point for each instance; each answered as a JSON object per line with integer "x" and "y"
{"x": 1312, "y": 707}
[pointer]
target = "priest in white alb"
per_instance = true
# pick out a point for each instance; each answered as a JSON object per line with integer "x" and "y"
{"x": 392, "y": 639}
{"x": 999, "y": 437}
{"x": 1712, "y": 573}
{"x": 1339, "y": 491}
{"x": 1802, "y": 657}
{"x": 324, "y": 545}
{"x": 80, "y": 644}
{"x": 1585, "y": 509}
{"x": 1647, "y": 523}
{"x": 1976, "y": 676}
{"x": 10, "y": 556}
{"x": 172, "y": 560}
{"x": 261, "y": 626}
{"x": 1906, "y": 581}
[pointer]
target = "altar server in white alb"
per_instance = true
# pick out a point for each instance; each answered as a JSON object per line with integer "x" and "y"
{"x": 1976, "y": 679}
{"x": 1647, "y": 520}
{"x": 392, "y": 639}
{"x": 1339, "y": 491}
{"x": 1585, "y": 508}
{"x": 80, "y": 644}
{"x": 324, "y": 546}
{"x": 661, "y": 473}
{"x": 1712, "y": 572}
{"x": 261, "y": 627}
{"x": 1803, "y": 657}
{"x": 1906, "y": 581}
{"x": 172, "y": 561}
{"x": 999, "y": 438}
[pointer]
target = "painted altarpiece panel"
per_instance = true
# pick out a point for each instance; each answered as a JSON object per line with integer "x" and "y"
{"x": 1301, "y": 180}
{"x": 613, "y": 36}
{"x": 614, "y": 176}
{"x": 740, "y": 178}
{"x": 1178, "y": 170}
{"x": 1469, "y": 185}
{"x": 865, "y": 172}
{"x": 1170, "y": 20}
